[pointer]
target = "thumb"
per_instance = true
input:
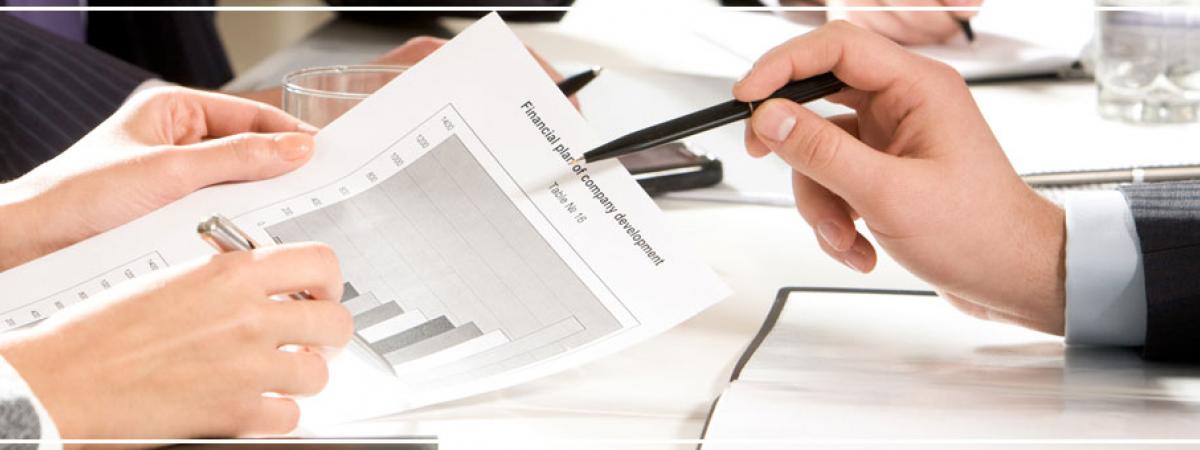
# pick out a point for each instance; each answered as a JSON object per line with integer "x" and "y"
{"x": 818, "y": 149}
{"x": 240, "y": 157}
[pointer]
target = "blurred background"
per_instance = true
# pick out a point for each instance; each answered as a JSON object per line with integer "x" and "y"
{"x": 259, "y": 34}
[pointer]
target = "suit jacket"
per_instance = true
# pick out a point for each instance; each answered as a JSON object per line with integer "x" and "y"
{"x": 1167, "y": 217}
{"x": 52, "y": 92}
{"x": 179, "y": 46}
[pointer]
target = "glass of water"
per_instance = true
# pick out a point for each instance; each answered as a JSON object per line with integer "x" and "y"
{"x": 1148, "y": 60}
{"x": 319, "y": 95}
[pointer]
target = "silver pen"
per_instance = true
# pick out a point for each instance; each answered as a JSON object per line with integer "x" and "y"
{"x": 1128, "y": 175}
{"x": 224, "y": 236}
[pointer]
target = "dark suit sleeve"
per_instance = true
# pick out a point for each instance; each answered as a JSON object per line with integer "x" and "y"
{"x": 52, "y": 92}
{"x": 1167, "y": 216}
{"x": 182, "y": 47}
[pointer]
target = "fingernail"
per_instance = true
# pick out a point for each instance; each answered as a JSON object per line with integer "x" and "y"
{"x": 857, "y": 261}
{"x": 832, "y": 234}
{"x": 293, "y": 146}
{"x": 773, "y": 122}
{"x": 307, "y": 128}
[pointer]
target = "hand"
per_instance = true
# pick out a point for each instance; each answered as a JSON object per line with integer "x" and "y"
{"x": 189, "y": 353}
{"x": 161, "y": 145}
{"x": 922, "y": 169}
{"x": 407, "y": 54}
{"x": 907, "y": 27}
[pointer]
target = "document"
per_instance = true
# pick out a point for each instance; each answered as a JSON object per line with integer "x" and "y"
{"x": 875, "y": 368}
{"x": 477, "y": 251}
{"x": 1013, "y": 39}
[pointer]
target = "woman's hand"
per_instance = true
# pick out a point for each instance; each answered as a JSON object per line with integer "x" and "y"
{"x": 160, "y": 146}
{"x": 189, "y": 353}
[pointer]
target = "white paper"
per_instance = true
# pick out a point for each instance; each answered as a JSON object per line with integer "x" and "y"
{"x": 436, "y": 193}
{"x": 1013, "y": 38}
{"x": 867, "y": 368}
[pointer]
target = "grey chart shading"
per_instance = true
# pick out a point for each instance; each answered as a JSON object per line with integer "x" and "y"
{"x": 437, "y": 256}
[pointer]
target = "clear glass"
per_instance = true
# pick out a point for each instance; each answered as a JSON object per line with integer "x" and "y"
{"x": 1148, "y": 61}
{"x": 319, "y": 95}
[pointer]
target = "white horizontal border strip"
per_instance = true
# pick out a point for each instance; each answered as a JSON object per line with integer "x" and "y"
{"x": 553, "y": 8}
{"x": 527, "y": 439}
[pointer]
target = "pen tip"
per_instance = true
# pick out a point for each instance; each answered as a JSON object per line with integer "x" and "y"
{"x": 967, "y": 30}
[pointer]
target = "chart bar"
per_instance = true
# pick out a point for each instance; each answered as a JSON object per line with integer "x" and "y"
{"x": 392, "y": 326}
{"x": 348, "y": 292}
{"x": 376, "y": 315}
{"x": 435, "y": 344}
{"x": 409, "y": 337}
{"x": 361, "y": 304}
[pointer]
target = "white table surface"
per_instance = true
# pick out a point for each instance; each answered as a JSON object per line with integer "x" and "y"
{"x": 661, "y": 390}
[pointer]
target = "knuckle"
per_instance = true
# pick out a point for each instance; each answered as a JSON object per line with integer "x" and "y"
{"x": 251, "y": 323}
{"x": 342, "y": 322}
{"x": 228, "y": 267}
{"x": 820, "y": 148}
{"x": 251, "y": 150}
{"x": 323, "y": 255}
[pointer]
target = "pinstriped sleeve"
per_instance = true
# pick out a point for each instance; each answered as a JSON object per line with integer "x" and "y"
{"x": 1167, "y": 216}
{"x": 52, "y": 92}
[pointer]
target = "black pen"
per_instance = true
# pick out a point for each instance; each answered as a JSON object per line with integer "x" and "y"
{"x": 574, "y": 83}
{"x": 800, "y": 91}
{"x": 967, "y": 30}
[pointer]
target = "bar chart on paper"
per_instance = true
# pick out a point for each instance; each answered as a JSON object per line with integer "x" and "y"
{"x": 442, "y": 269}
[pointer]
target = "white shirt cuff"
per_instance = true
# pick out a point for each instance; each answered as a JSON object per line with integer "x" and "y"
{"x": 1106, "y": 289}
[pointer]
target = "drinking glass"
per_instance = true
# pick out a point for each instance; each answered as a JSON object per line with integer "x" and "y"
{"x": 319, "y": 95}
{"x": 1148, "y": 60}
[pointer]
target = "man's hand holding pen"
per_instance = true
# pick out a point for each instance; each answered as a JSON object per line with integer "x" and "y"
{"x": 919, "y": 165}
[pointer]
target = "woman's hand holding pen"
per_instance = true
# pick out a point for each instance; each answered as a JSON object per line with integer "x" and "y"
{"x": 161, "y": 145}
{"x": 918, "y": 163}
{"x": 190, "y": 352}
